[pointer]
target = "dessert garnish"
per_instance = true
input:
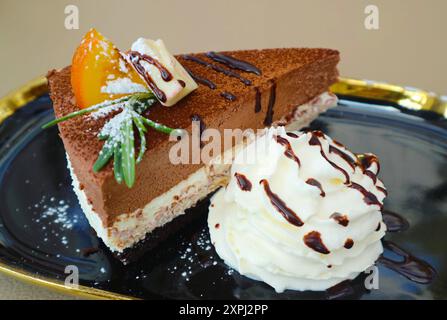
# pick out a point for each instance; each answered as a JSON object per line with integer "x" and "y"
{"x": 311, "y": 217}
{"x": 100, "y": 71}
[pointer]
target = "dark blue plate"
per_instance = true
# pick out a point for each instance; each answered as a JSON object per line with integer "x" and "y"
{"x": 43, "y": 230}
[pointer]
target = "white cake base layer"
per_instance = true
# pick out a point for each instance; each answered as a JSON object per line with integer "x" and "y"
{"x": 130, "y": 228}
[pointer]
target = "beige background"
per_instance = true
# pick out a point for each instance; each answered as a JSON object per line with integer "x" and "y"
{"x": 408, "y": 49}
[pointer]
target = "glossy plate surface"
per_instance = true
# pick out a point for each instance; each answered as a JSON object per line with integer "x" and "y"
{"x": 43, "y": 230}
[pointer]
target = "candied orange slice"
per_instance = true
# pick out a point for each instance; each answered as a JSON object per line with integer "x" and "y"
{"x": 95, "y": 62}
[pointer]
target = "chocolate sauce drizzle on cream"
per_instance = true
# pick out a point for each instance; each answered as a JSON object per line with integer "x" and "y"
{"x": 135, "y": 59}
{"x": 316, "y": 183}
{"x": 366, "y": 160}
{"x": 315, "y": 141}
{"x": 340, "y": 218}
{"x": 281, "y": 206}
{"x": 349, "y": 243}
{"x": 313, "y": 241}
{"x": 269, "y": 114}
{"x": 382, "y": 190}
{"x": 242, "y": 181}
{"x": 292, "y": 135}
{"x": 368, "y": 197}
{"x": 289, "y": 153}
{"x": 233, "y": 62}
{"x": 352, "y": 162}
{"x": 217, "y": 68}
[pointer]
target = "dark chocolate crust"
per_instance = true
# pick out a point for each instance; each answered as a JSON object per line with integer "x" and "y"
{"x": 299, "y": 75}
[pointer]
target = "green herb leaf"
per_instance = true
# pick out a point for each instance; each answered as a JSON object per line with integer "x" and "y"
{"x": 128, "y": 153}
{"x": 141, "y": 130}
{"x": 117, "y": 163}
{"x": 85, "y": 111}
{"x": 104, "y": 155}
{"x": 157, "y": 126}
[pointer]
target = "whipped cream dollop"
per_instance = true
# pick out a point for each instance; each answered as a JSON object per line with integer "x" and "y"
{"x": 300, "y": 212}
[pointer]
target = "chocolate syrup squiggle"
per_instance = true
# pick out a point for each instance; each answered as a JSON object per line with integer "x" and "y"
{"x": 135, "y": 58}
{"x": 269, "y": 114}
{"x": 289, "y": 153}
{"x": 217, "y": 68}
{"x": 316, "y": 183}
{"x": 281, "y": 206}
{"x": 228, "y": 96}
{"x": 315, "y": 141}
{"x": 394, "y": 222}
{"x": 313, "y": 241}
{"x": 411, "y": 267}
{"x": 233, "y": 62}
{"x": 258, "y": 105}
{"x": 243, "y": 182}
{"x": 201, "y": 80}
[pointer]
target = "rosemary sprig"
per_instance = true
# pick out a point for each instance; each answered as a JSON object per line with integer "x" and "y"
{"x": 118, "y": 134}
{"x": 139, "y": 97}
{"x": 128, "y": 152}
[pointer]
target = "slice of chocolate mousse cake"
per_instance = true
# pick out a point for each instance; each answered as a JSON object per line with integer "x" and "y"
{"x": 236, "y": 90}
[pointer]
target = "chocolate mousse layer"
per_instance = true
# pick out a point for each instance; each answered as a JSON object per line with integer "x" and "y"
{"x": 228, "y": 97}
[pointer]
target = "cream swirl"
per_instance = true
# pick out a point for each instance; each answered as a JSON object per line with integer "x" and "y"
{"x": 305, "y": 214}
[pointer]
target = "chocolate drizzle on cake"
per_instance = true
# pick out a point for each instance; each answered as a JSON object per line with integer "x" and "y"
{"x": 217, "y": 68}
{"x": 349, "y": 243}
{"x": 281, "y": 206}
{"x": 233, "y": 62}
{"x": 340, "y": 218}
{"x": 313, "y": 241}
{"x": 135, "y": 59}
{"x": 243, "y": 182}
{"x": 269, "y": 114}
{"x": 315, "y": 141}
{"x": 408, "y": 265}
{"x": 228, "y": 96}
{"x": 258, "y": 104}
{"x": 289, "y": 153}
{"x": 201, "y": 80}
{"x": 316, "y": 183}
{"x": 202, "y": 126}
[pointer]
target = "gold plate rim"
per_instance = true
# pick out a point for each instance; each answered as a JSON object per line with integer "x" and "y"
{"x": 58, "y": 286}
{"x": 408, "y": 98}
